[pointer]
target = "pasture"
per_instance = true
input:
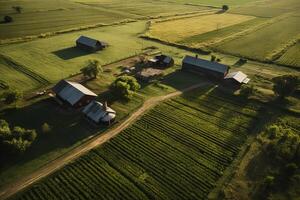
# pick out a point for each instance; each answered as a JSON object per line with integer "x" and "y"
{"x": 37, "y": 18}
{"x": 177, "y": 30}
{"x": 261, "y": 43}
{"x": 179, "y": 149}
{"x": 291, "y": 56}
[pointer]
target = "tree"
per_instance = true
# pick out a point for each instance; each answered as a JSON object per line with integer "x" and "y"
{"x": 225, "y": 7}
{"x": 213, "y": 58}
{"x": 92, "y": 69}
{"x": 18, "y": 9}
{"x": 8, "y": 19}
{"x": 247, "y": 90}
{"x": 125, "y": 86}
{"x": 12, "y": 96}
{"x": 285, "y": 85}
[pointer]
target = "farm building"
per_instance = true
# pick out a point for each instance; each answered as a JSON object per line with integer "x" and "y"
{"x": 236, "y": 78}
{"x": 99, "y": 113}
{"x": 90, "y": 44}
{"x": 161, "y": 61}
{"x": 73, "y": 93}
{"x": 204, "y": 67}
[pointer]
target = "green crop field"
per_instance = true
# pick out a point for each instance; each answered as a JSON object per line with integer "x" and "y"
{"x": 178, "y": 150}
{"x": 261, "y": 43}
{"x": 291, "y": 57}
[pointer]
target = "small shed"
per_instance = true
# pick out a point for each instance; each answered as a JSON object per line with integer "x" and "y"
{"x": 90, "y": 44}
{"x": 99, "y": 113}
{"x": 161, "y": 61}
{"x": 236, "y": 78}
{"x": 73, "y": 93}
{"x": 204, "y": 67}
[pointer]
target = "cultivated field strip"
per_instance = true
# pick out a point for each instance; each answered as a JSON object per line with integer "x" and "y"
{"x": 24, "y": 70}
{"x": 177, "y": 150}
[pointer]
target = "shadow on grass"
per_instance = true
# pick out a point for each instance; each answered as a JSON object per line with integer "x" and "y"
{"x": 67, "y": 128}
{"x": 70, "y": 53}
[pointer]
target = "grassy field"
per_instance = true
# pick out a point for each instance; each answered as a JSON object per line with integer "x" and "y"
{"x": 177, "y": 30}
{"x": 261, "y": 43}
{"x": 291, "y": 57}
{"x": 177, "y": 150}
{"x": 42, "y": 16}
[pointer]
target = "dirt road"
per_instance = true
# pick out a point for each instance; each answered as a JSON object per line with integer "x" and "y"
{"x": 85, "y": 147}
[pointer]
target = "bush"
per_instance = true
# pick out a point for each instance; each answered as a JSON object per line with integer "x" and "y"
{"x": 92, "y": 69}
{"x": 213, "y": 58}
{"x": 8, "y": 19}
{"x": 247, "y": 90}
{"x": 11, "y": 96}
{"x": 124, "y": 87}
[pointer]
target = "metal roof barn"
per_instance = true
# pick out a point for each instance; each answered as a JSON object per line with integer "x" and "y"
{"x": 90, "y": 44}
{"x": 73, "y": 93}
{"x": 99, "y": 113}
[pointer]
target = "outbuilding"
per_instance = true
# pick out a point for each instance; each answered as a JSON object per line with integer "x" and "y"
{"x": 236, "y": 78}
{"x": 99, "y": 113}
{"x": 161, "y": 61}
{"x": 90, "y": 44}
{"x": 204, "y": 67}
{"x": 73, "y": 93}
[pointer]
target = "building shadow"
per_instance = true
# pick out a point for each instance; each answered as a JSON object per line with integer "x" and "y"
{"x": 70, "y": 53}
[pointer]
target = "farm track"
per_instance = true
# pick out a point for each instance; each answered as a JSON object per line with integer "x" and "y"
{"x": 24, "y": 70}
{"x": 58, "y": 163}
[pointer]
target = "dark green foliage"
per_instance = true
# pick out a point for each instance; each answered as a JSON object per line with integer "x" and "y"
{"x": 225, "y": 7}
{"x": 124, "y": 87}
{"x": 247, "y": 90}
{"x": 18, "y": 9}
{"x": 16, "y": 140}
{"x": 285, "y": 85}
{"x": 8, "y": 19}
{"x": 213, "y": 58}
{"x": 11, "y": 96}
{"x": 92, "y": 69}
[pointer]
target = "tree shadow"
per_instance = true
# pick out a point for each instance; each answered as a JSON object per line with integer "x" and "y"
{"x": 68, "y": 127}
{"x": 70, "y": 53}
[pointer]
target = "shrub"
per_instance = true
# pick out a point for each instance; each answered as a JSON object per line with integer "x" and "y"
{"x": 8, "y": 19}
{"x": 213, "y": 58}
{"x": 225, "y": 7}
{"x": 92, "y": 69}
{"x": 18, "y": 9}
{"x": 11, "y": 96}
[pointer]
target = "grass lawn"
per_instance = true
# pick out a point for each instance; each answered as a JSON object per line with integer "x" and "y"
{"x": 177, "y": 30}
{"x": 261, "y": 43}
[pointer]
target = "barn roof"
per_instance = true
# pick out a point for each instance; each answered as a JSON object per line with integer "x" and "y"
{"x": 90, "y": 41}
{"x": 71, "y": 92}
{"x": 97, "y": 112}
{"x": 238, "y": 76}
{"x": 214, "y": 66}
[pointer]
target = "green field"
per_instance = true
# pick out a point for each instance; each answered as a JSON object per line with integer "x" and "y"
{"x": 291, "y": 57}
{"x": 261, "y": 43}
{"x": 177, "y": 150}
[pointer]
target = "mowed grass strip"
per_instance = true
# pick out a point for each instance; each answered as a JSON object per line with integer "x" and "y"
{"x": 177, "y": 30}
{"x": 175, "y": 151}
{"x": 291, "y": 57}
{"x": 259, "y": 44}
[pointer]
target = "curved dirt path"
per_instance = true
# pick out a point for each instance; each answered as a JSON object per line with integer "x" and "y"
{"x": 58, "y": 163}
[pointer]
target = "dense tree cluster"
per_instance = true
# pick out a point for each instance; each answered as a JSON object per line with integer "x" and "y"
{"x": 284, "y": 149}
{"x": 285, "y": 85}
{"x": 15, "y": 140}
{"x": 124, "y": 87}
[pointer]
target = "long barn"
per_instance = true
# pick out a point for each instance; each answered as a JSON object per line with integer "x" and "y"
{"x": 204, "y": 67}
{"x": 90, "y": 44}
{"x": 73, "y": 93}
